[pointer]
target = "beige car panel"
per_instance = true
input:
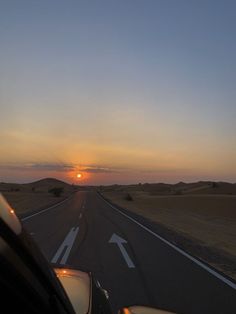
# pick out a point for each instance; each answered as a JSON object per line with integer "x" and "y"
{"x": 77, "y": 285}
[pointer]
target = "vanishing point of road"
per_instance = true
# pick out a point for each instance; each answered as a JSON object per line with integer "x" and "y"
{"x": 131, "y": 261}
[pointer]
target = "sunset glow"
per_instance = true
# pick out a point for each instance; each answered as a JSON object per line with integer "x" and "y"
{"x": 120, "y": 93}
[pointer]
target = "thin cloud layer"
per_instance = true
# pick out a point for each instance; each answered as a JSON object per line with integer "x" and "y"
{"x": 99, "y": 170}
{"x": 39, "y": 167}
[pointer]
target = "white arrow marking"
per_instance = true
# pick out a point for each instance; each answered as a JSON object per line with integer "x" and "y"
{"x": 67, "y": 243}
{"x": 119, "y": 241}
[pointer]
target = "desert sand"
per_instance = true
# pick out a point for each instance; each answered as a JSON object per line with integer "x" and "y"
{"x": 208, "y": 220}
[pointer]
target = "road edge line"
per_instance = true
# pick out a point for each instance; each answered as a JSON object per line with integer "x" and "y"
{"x": 45, "y": 209}
{"x": 176, "y": 248}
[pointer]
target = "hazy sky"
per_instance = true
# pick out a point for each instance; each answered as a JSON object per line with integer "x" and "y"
{"x": 119, "y": 90}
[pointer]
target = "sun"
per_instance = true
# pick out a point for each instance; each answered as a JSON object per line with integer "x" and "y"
{"x": 79, "y": 175}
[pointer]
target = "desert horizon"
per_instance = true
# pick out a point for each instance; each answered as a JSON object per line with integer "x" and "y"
{"x": 184, "y": 211}
{"x": 79, "y": 183}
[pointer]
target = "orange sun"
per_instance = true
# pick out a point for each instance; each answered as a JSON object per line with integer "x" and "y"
{"x": 79, "y": 175}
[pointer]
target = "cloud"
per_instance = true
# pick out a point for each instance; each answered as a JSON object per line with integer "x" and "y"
{"x": 39, "y": 167}
{"x": 95, "y": 169}
{"x": 59, "y": 167}
{"x": 53, "y": 167}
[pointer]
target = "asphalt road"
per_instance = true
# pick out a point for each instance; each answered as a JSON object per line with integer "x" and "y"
{"x": 130, "y": 261}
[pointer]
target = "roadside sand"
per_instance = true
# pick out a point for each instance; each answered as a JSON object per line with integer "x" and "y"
{"x": 210, "y": 220}
{"x": 34, "y": 196}
{"x": 23, "y": 202}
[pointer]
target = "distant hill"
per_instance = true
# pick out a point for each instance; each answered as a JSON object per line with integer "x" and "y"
{"x": 48, "y": 183}
{"x": 181, "y": 188}
{"x": 38, "y": 186}
{"x": 36, "y": 195}
{"x": 214, "y": 188}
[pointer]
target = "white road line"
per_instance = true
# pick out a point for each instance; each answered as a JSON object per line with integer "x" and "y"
{"x": 193, "y": 259}
{"x": 120, "y": 242}
{"x": 45, "y": 210}
{"x": 67, "y": 243}
{"x": 84, "y": 203}
{"x": 80, "y": 215}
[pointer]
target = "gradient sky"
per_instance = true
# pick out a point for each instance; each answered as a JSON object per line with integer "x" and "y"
{"x": 120, "y": 90}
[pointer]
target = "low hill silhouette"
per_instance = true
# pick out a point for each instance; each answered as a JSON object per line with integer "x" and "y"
{"x": 42, "y": 185}
{"x": 181, "y": 188}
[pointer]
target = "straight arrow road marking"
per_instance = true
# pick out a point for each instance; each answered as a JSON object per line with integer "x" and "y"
{"x": 67, "y": 243}
{"x": 120, "y": 241}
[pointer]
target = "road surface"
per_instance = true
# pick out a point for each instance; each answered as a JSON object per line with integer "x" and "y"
{"x": 129, "y": 259}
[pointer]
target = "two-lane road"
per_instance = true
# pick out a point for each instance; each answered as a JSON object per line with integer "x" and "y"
{"x": 130, "y": 260}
